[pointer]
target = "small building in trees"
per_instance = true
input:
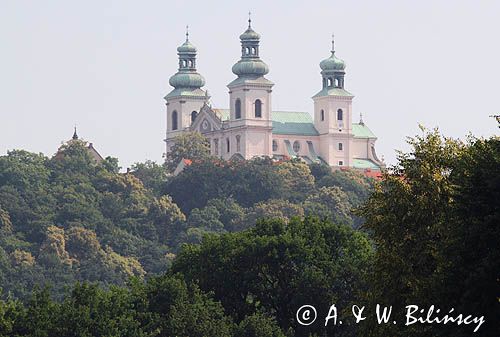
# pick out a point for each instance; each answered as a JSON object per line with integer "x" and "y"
{"x": 90, "y": 148}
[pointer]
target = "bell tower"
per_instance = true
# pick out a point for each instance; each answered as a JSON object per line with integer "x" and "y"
{"x": 186, "y": 99}
{"x": 333, "y": 113}
{"x": 250, "y": 99}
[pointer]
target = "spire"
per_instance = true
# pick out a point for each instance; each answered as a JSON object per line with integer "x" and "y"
{"x": 75, "y": 135}
{"x": 249, "y": 20}
{"x": 333, "y": 43}
{"x": 186, "y": 77}
{"x": 361, "y": 119}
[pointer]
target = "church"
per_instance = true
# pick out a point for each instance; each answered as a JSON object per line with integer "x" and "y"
{"x": 249, "y": 128}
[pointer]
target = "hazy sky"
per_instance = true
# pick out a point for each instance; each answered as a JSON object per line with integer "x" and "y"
{"x": 105, "y": 65}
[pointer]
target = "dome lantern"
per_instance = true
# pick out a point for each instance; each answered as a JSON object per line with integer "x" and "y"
{"x": 187, "y": 77}
{"x": 250, "y": 64}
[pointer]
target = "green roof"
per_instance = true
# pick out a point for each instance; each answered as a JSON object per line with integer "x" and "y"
{"x": 364, "y": 164}
{"x": 186, "y": 92}
{"x": 293, "y": 123}
{"x": 299, "y": 123}
{"x": 284, "y": 122}
{"x": 334, "y": 92}
{"x": 362, "y": 131}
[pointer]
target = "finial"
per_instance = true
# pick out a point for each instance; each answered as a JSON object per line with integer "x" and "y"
{"x": 75, "y": 136}
{"x": 249, "y": 19}
{"x": 333, "y": 43}
{"x": 361, "y": 119}
{"x": 187, "y": 33}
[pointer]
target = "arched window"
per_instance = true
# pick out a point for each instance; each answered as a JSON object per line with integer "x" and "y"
{"x": 337, "y": 82}
{"x": 193, "y": 115}
{"x": 296, "y": 146}
{"x": 238, "y": 143}
{"x": 237, "y": 109}
{"x": 275, "y": 145}
{"x": 254, "y": 51}
{"x": 341, "y": 146}
{"x": 174, "y": 120}
{"x": 322, "y": 113}
{"x": 340, "y": 115}
{"x": 258, "y": 108}
{"x": 330, "y": 82}
{"x": 216, "y": 146}
{"x": 228, "y": 147}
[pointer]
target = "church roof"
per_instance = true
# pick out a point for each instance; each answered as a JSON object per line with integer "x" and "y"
{"x": 186, "y": 92}
{"x": 364, "y": 164}
{"x": 299, "y": 123}
{"x": 360, "y": 130}
{"x": 333, "y": 92}
{"x": 293, "y": 123}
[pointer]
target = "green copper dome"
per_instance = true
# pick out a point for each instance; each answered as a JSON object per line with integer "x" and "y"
{"x": 187, "y": 77}
{"x": 250, "y": 65}
{"x": 187, "y": 80}
{"x": 332, "y": 63}
{"x": 250, "y": 34}
{"x": 250, "y": 68}
{"x": 186, "y": 47}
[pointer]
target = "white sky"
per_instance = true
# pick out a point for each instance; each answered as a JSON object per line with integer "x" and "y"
{"x": 105, "y": 65}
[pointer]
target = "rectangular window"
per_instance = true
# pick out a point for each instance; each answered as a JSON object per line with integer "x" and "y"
{"x": 341, "y": 163}
{"x": 341, "y": 146}
{"x": 216, "y": 146}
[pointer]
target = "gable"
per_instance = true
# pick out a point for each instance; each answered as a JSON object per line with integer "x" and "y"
{"x": 206, "y": 121}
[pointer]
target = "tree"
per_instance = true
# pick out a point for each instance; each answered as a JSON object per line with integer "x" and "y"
{"x": 152, "y": 175}
{"x": 330, "y": 203}
{"x": 273, "y": 209}
{"x": 189, "y": 145}
{"x": 297, "y": 180}
{"x": 275, "y": 268}
{"x": 431, "y": 220}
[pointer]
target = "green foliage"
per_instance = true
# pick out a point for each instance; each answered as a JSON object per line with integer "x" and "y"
{"x": 434, "y": 221}
{"x": 188, "y": 145}
{"x": 152, "y": 175}
{"x": 275, "y": 268}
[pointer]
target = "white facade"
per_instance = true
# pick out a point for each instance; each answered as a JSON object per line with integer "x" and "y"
{"x": 250, "y": 128}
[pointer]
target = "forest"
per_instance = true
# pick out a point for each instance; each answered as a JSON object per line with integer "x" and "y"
{"x": 235, "y": 248}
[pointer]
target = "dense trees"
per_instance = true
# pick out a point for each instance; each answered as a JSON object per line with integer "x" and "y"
{"x": 240, "y": 246}
{"x": 275, "y": 268}
{"x": 435, "y": 223}
{"x": 68, "y": 218}
{"x": 239, "y": 284}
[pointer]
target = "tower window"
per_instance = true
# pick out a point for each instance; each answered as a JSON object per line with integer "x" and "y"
{"x": 174, "y": 120}
{"x": 322, "y": 113}
{"x": 258, "y": 108}
{"x": 238, "y": 143}
{"x": 341, "y": 146}
{"x": 296, "y": 146}
{"x": 216, "y": 146}
{"x": 193, "y": 116}
{"x": 237, "y": 109}
{"x": 341, "y": 163}
{"x": 275, "y": 145}
{"x": 340, "y": 115}
{"x": 330, "y": 82}
{"x": 228, "y": 147}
